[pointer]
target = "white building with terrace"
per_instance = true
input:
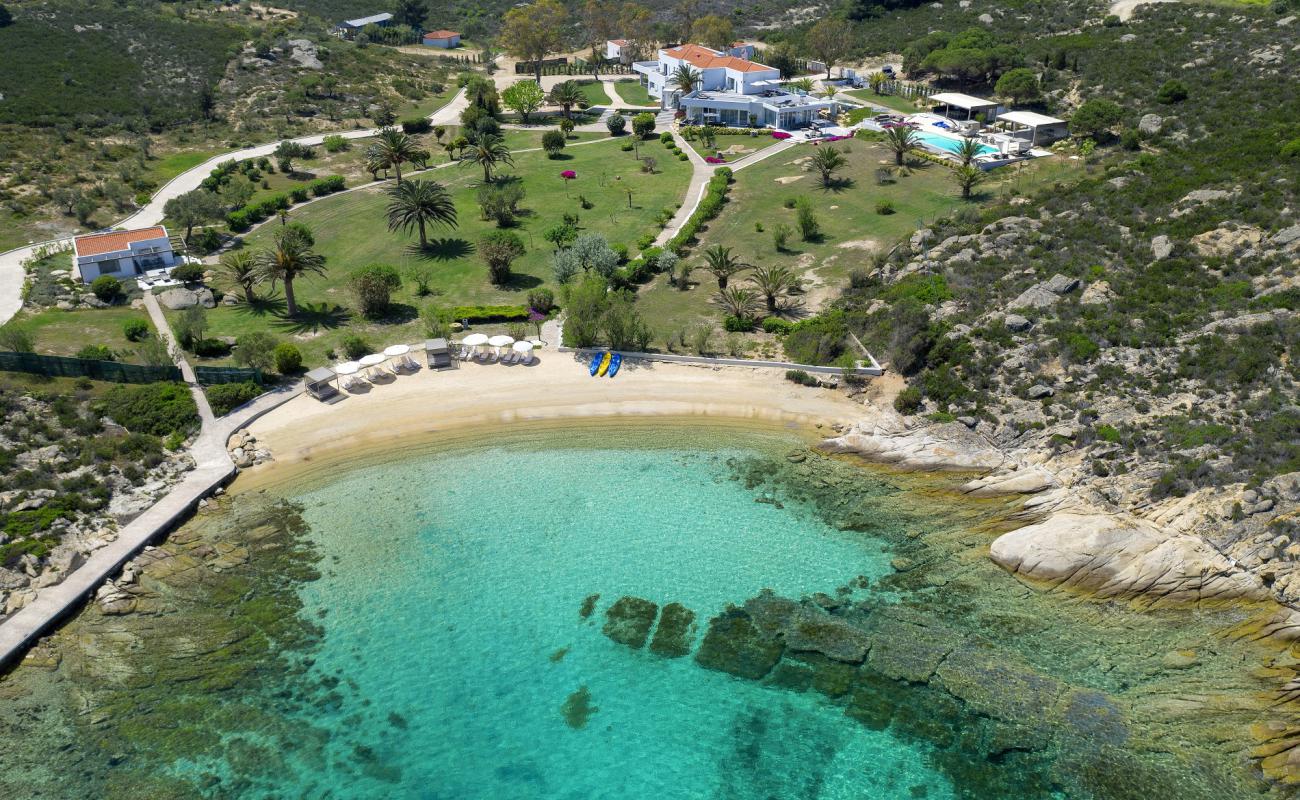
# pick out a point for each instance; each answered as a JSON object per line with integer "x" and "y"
{"x": 730, "y": 90}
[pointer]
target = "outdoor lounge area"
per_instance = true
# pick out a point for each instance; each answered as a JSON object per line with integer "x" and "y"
{"x": 1037, "y": 129}
{"x": 957, "y": 106}
{"x": 324, "y": 383}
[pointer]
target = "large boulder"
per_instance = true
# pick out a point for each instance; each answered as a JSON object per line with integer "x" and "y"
{"x": 675, "y": 633}
{"x": 180, "y": 298}
{"x": 813, "y": 630}
{"x": 1150, "y": 124}
{"x": 1161, "y": 247}
{"x": 629, "y": 620}
{"x": 733, "y": 644}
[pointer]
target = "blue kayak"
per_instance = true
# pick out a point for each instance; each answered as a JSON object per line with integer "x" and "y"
{"x": 595, "y": 363}
{"x": 614, "y": 364}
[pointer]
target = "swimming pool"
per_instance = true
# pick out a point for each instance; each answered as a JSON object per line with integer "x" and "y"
{"x": 948, "y": 143}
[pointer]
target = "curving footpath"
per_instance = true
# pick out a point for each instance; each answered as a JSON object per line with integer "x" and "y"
{"x": 12, "y": 274}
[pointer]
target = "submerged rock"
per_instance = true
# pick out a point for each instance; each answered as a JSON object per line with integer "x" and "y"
{"x": 733, "y": 644}
{"x": 629, "y": 620}
{"x": 588, "y": 605}
{"x": 831, "y": 636}
{"x": 676, "y": 632}
{"x": 577, "y": 709}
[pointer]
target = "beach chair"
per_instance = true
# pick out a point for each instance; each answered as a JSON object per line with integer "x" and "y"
{"x": 410, "y": 364}
{"x": 508, "y": 358}
{"x": 395, "y": 367}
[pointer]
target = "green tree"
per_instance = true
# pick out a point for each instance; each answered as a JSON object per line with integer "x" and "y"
{"x": 719, "y": 261}
{"x": 782, "y": 58}
{"x": 524, "y": 97}
{"x": 553, "y": 143}
{"x": 713, "y": 31}
{"x": 489, "y": 151}
{"x": 106, "y": 288}
{"x": 622, "y": 324}
{"x": 773, "y": 283}
{"x": 6, "y": 18}
{"x": 195, "y": 207}
{"x": 289, "y": 258}
{"x": 967, "y": 176}
{"x": 531, "y": 32}
{"x": 498, "y": 250}
{"x": 241, "y": 269}
{"x": 616, "y": 124}
{"x": 419, "y": 204}
{"x": 393, "y": 148}
{"x": 372, "y": 287}
{"x": 827, "y": 160}
{"x": 16, "y": 339}
{"x": 643, "y": 124}
{"x": 967, "y": 150}
{"x": 584, "y": 303}
{"x": 287, "y": 151}
{"x": 737, "y": 301}
{"x": 566, "y": 95}
{"x": 830, "y": 40}
{"x": 1019, "y": 85}
{"x": 411, "y": 13}
{"x": 1095, "y": 118}
{"x": 255, "y": 350}
{"x": 684, "y": 79}
{"x": 901, "y": 140}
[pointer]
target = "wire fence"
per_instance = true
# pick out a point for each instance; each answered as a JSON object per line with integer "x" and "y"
{"x": 68, "y": 367}
{"x": 214, "y": 375}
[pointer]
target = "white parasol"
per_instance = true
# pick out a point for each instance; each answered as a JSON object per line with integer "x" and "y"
{"x": 397, "y": 350}
{"x": 347, "y": 368}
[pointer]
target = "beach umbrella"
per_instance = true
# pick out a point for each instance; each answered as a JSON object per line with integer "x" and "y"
{"x": 373, "y": 359}
{"x": 397, "y": 350}
{"x": 499, "y": 341}
{"x": 525, "y": 349}
{"x": 475, "y": 340}
{"x": 347, "y": 368}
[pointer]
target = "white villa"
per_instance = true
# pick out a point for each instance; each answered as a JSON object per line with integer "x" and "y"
{"x": 732, "y": 89}
{"x": 121, "y": 254}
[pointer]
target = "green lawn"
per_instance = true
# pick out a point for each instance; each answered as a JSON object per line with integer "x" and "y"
{"x": 633, "y": 93}
{"x": 893, "y": 101}
{"x": 733, "y": 147}
{"x": 168, "y": 167}
{"x": 351, "y": 231}
{"x": 594, "y": 92}
{"x": 63, "y": 333}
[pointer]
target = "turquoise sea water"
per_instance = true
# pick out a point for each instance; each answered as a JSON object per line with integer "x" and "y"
{"x": 450, "y": 604}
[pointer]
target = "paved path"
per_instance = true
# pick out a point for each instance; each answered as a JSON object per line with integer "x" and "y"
{"x": 12, "y": 274}
{"x": 213, "y": 468}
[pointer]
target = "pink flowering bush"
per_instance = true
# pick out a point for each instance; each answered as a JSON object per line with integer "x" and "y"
{"x": 715, "y": 160}
{"x": 568, "y": 174}
{"x": 780, "y": 135}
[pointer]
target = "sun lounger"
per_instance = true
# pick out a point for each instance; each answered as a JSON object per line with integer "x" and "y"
{"x": 395, "y": 367}
{"x": 410, "y": 364}
{"x": 508, "y": 358}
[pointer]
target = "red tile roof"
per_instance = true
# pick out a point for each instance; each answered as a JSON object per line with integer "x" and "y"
{"x": 619, "y": 42}
{"x": 440, "y": 34}
{"x": 96, "y": 244}
{"x": 704, "y": 58}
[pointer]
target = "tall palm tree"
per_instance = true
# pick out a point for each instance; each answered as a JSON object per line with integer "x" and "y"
{"x": 240, "y": 268}
{"x": 826, "y": 160}
{"x": 901, "y": 140}
{"x": 966, "y": 150}
{"x": 487, "y": 152}
{"x": 396, "y": 148}
{"x": 804, "y": 84}
{"x": 968, "y": 176}
{"x": 737, "y": 301}
{"x": 566, "y": 95}
{"x": 290, "y": 258}
{"x": 418, "y": 204}
{"x": 720, "y": 261}
{"x": 684, "y": 79}
{"x": 374, "y": 161}
{"x": 773, "y": 283}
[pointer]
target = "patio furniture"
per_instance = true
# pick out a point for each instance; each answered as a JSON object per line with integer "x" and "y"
{"x": 437, "y": 354}
{"x": 319, "y": 383}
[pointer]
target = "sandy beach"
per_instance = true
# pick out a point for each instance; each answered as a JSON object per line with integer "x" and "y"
{"x": 412, "y": 408}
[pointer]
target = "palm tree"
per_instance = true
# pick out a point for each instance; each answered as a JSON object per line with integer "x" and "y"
{"x": 968, "y": 176}
{"x": 684, "y": 79}
{"x": 566, "y": 95}
{"x": 418, "y": 204}
{"x": 967, "y": 150}
{"x": 720, "y": 261}
{"x": 901, "y": 140}
{"x": 240, "y": 268}
{"x": 289, "y": 259}
{"x": 773, "y": 283}
{"x": 737, "y": 301}
{"x": 374, "y": 161}
{"x": 803, "y": 84}
{"x": 396, "y": 148}
{"x": 487, "y": 152}
{"x": 826, "y": 160}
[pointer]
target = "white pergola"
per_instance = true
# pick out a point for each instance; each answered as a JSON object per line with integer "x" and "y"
{"x": 1037, "y": 125}
{"x": 972, "y": 105}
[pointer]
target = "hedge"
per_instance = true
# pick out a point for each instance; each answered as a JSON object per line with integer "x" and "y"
{"x": 248, "y": 216}
{"x": 715, "y": 195}
{"x": 490, "y": 313}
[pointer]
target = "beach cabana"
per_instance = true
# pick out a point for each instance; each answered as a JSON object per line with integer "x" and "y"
{"x": 963, "y": 102}
{"x": 437, "y": 353}
{"x": 320, "y": 383}
{"x": 1037, "y": 128}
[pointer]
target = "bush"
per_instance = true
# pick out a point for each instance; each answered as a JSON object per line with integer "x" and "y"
{"x": 210, "y": 348}
{"x": 666, "y": 137}
{"x": 416, "y": 125}
{"x": 715, "y": 196}
{"x": 643, "y": 124}
{"x": 97, "y": 352}
{"x": 239, "y": 221}
{"x": 626, "y": 147}
{"x": 734, "y": 324}
{"x": 287, "y": 358}
{"x": 776, "y": 325}
{"x": 1172, "y": 91}
{"x": 553, "y": 143}
{"x": 106, "y": 288}
{"x": 884, "y": 207}
{"x": 490, "y": 313}
{"x": 323, "y": 186}
{"x": 373, "y": 286}
{"x": 188, "y": 272}
{"x": 541, "y": 300}
{"x": 135, "y": 329}
{"x": 806, "y": 220}
{"x": 299, "y": 195}
{"x": 800, "y": 377}
{"x": 336, "y": 144}
{"x": 226, "y": 397}
{"x": 1111, "y": 21}
{"x": 908, "y": 401}
{"x": 353, "y": 346}
{"x": 617, "y": 125}
{"x": 159, "y": 409}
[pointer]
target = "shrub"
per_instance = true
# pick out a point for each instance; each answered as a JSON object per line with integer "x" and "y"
{"x": 1111, "y": 21}
{"x": 287, "y": 358}
{"x": 372, "y": 287}
{"x": 135, "y": 329}
{"x": 210, "y": 348}
{"x": 97, "y": 352}
{"x": 188, "y": 272}
{"x": 800, "y": 377}
{"x": 643, "y": 124}
{"x": 616, "y": 124}
{"x": 666, "y": 137}
{"x": 1172, "y": 91}
{"x": 255, "y": 350}
{"x": 819, "y": 340}
{"x": 734, "y": 324}
{"x": 159, "y": 409}
{"x": 416, "y": 125}
{"x": 553, "y": 143}
{"x": 336, "y": 144}
{"x": 776, "y": 325}
{"x": 715, "y": 195}
{"x": 328, "y": 185}
{"x": 238, "y": 221}
{"x": 908, "y": 401}
{"x": 809, "y": 229}
{"x": 884, "y": 207}
{"x": 353, "y": 346}
{"x": 1290, "y": 149}
{"x": 541, "y": 300}
{"x": 781, "y": 236}
{"x": 499, "y": 249}
{"x": 490, "y": 313}
{"x": 626, "y": 147}
{"x": 106, "y": 288}
{"x": 299, "y": 195}
{"x": 226, "y": 397}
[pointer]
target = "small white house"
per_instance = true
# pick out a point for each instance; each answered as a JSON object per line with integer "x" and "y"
{"x": 349, "y": 27}
{"x": 618, "y": 50}
{"x": 121, "y": 254}
{"x": 443, "y": 39}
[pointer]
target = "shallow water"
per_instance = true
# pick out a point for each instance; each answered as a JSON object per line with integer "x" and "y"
{"x": 412, "y": 627}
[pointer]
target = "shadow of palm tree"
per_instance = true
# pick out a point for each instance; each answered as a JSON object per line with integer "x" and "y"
{"x": 397, "y": 314}
{"x": 445, "y": 249}
{"x": 519, "y": 281}
{"x": 262, "y": 306}
{"x": 313, "y": 317}
{"x": 837, "y": 185}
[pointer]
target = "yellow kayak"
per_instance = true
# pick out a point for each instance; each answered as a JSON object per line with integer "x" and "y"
{"x": 604, "y": 365}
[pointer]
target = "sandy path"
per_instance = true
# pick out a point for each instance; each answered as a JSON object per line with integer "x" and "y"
{"x": 1124, "y": 8}
{"x": 411, "y": 409}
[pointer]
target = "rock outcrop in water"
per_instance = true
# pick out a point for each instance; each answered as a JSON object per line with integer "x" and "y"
{"x": 629, "y": 620}
{"x": 676, "y": 632}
